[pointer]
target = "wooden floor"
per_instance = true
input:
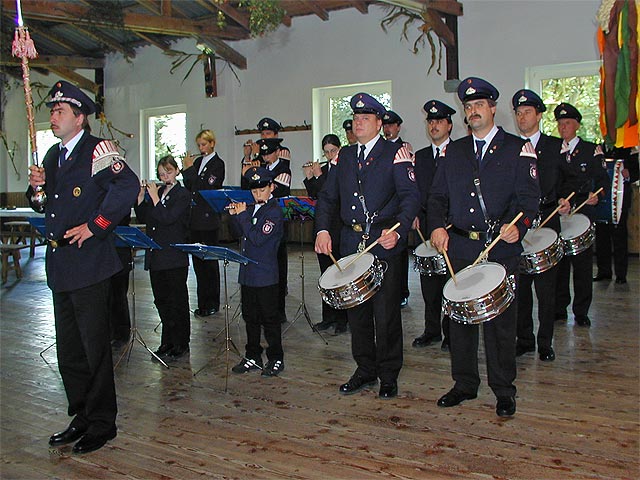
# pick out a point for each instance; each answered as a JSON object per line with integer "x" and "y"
{"x": 577, "y": 417}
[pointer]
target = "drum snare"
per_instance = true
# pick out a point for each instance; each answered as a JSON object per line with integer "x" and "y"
{"x": 428, "y": 261}
{"x": 481, "y": 293}
{"x": 577, "y": 232}
{"x": 542, "y": 251}
{"x": 354, "y": 285}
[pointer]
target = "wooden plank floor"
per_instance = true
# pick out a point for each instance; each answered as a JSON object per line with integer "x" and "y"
{"x": 577, "y": 417}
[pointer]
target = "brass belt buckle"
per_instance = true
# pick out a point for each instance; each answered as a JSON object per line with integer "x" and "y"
{"x": 53, "y": 243}
{"x": 474, "y": 235}
{"x": 357, "y": 228}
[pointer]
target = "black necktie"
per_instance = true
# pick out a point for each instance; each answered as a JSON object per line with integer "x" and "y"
{"x": 437, "y": 152}
{"x": 62, "y": 156}
{"x": 361, "y": 156}
{"x": 479, "y": 146}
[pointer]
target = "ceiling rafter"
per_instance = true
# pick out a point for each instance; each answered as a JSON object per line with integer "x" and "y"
{"x": 231, "y": 12}
{"x": 76, "y": 78}
{"x": 149, "y": 5}
{"x": 47, "y": 61}
{"x": 156, "y": 43}
{"x": 362, "y": 7}
{"x": 106, "y": 40}
{"x": 317, "y": 9}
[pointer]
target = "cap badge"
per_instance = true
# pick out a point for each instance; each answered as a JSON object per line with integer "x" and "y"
{"x": 522, "y": 99}
{"x": 57, "y": 95}
{"x": 255, "y": 177}
{"x": 563, "y": 112}
{"x": 386, "y": 117}
{"x": 470, "y": 91}
{"x": 433, "y": 110}
{"x": 265, "y": 124}
{"x": 264, "y": 147}
{"x": 360, "y": 104}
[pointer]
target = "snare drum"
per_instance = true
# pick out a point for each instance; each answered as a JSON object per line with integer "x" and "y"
{"x": 609, "y": 207}
{"x": 354, "y": 285}
{"x": 428, "y": 261}
{"x": 482, "y": 293}
{"x": 542, "y": 250}
{"x": 577, "y": 232}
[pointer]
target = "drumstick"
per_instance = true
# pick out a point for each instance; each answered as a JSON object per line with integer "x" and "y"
{"x": 369, "y": 247}
{"x": 421, "y": 236}
{"x": 335, "y": 262}
{"x": 585, "y": 202}
{"x": 486, "y": 251}
{"x": 553, "y": 213}
{"x": 453, "y": 275}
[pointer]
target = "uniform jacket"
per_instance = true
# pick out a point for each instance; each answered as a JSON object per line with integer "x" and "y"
{"x": 282, "y": 178}
{"x": 509, "y": 185}
{"x": 315, "y": 184}
{"x": 425, "y": 167}
{"x": 167, "y": 223}
{"x": 584, "y": 171}
{"x": 388, "y": 186}
{"x": 93, "y": 187}
{"x": 212, "y": 177}
{"x": 549, "y": 177}
{"x": 261, "y": 236}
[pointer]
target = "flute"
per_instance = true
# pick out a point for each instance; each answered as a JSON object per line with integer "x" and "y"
{"x": 232, "y": 205}
{"x": 310, "y": 164}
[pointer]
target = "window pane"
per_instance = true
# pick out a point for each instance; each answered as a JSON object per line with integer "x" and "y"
{"x": 169, "y": 137}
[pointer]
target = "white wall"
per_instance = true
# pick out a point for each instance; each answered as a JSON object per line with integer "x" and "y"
{"x": 498, "y": 40}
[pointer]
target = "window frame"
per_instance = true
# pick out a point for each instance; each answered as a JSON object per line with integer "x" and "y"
{"x": 147, "y": 143}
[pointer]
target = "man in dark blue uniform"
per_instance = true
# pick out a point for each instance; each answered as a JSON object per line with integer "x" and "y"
{"x": 280, "y": 169}
{"x": 480, "y": 186}
{"x": 439, "y": 125}
{"x": 90, "y": 189}
{"x": 205, "y": 173}
{"x": 528, "y": 108}
{"x": 348, "y": 131}
{"x": 584, "y": 172}
{"x": 373, "y": 188}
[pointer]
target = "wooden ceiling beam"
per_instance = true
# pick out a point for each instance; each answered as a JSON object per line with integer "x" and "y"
{"x": 106, "y": 40}
{"x": 225, "y": 51}
{"x": 156, "y": 43}
{"x": 149, "y": 5}
{"x": 52, "y": 37}
{"x": 74, "y": 14}
{"x": 449, "y": 7}
{"x": 76, "y": 78}
{"x": 362, "y": 7}
{"x": 317, "y": 9}
{"x": 69, "y": 61}
{"x": 231, "y": 12}
{"x": 439, "y": 27}
{"x": 165, "y": 8}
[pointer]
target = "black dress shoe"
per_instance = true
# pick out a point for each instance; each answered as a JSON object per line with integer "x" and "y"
{"x": 404, "y": 302}
{"x": 522, "y": 349}
{"x": 599, "y": 277}
{"x": 91, "y": 443}
{"x": 506, "y": 406}
{"x": 163, "y": 350}
{"x": 357, "y": 383}
{"x": 445, "y": 345}
{"x": 201, "y": 312}
{"x": 340, "y": 329}
{"x": 547, "y": 354}
{"x": 425, "y": 340}
{"x": 583, "y": 320}
{"x": 621, "y": 280}
{"x": 561, "y": 316}
{"x": 324, "y": 325}
{"x": 388, "y": 390}
{"x": 178, "y": 351}
{"x": 454, "y": 397}
{"x": 69, "y": 435}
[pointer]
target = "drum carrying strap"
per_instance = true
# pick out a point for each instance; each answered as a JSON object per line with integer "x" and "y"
{"x": 369, "y": 216}
{"x": 491, "y": 224}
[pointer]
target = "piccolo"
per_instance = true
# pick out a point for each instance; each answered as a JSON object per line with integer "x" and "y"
{"x": 310, "y": 164}
{"x": 232, "y": 205}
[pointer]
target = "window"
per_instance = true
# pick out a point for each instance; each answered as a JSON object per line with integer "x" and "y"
{"x": 331, "y": 107}
{"x": 165, "y": 132}
{"x": 45, "y": 139}
{"x": 575, "y": 83}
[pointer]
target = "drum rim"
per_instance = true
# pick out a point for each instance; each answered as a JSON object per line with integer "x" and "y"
{"x": 461, "y": 273}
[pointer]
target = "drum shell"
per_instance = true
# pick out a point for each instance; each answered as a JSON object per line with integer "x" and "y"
{"x": 483, "y": 308}
{"x": 532, "y": 263}
{"x": 354, "y": 292}
{"x": 581, "y": 242}
{"x": 429, "y": 264}
{"x": 609, "y": 207}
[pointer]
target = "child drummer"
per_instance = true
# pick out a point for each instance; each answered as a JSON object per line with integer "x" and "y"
{"x": 262, "y": 226}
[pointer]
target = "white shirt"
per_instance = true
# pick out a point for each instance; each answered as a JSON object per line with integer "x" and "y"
{"x": 487, "y": 139}
{"x": 205, "y": 160}
{"x": 533, "y": 138}
{"x": 71, "y": 144}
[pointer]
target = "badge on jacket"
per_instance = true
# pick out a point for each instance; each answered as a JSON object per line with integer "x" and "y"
{"x": 268, "y": 226}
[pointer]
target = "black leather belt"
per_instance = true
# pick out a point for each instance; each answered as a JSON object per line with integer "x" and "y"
{"x": 63, "y": 242}
{"x": 470, "y": 234}
{"x": 360, "y": 227}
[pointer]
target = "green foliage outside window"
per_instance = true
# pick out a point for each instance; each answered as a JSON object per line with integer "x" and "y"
{"x": 581, "y": 92}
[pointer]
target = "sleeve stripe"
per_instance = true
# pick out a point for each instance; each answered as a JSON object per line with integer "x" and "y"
{"x": 283, "y": 179}
{"x": 528, "y": 151}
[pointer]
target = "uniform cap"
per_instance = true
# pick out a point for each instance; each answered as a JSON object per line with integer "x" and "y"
{"x": 269, "y": 124}
{"x": 269, "y": 145}
{"x": 473, "y": 88}
{"x": 566, "y": 110}
{"x": 365, "y": 103}
{"x": 258, "y": 177}
{"x": 436, "y": 109}
{"x": 530, "y": 98}
{"x": 391, "y": 117}
{"x": 65, "y": 92}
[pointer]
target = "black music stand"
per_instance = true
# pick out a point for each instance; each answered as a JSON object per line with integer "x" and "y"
{"x": 302, "y": 209}
{"x": 133, "y": 238}
{"x": 206, "y": 252}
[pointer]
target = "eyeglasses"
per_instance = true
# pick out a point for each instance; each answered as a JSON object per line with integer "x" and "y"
{"x": 330, "y": 152}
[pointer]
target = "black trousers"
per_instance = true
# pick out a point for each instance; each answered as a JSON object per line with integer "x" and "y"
{"x": 612, "y": 238}
{"x": 376, "y": 328}
{"x": 330, "y": 314}
{"x": 431, "y": 286}
{"x": 283, "y": 270}
{"x": 582, "y": 283}
{"x": 499, "y": 344}
{"x": 545, "y": 285}
{"x": 207, "y": 271}
{"x": 84, "y": 356}
{"x": 119, "y": 316}
{"x": 404, "y": 279}
{"x": 171, "y": 298}
{"x": 260, "y": 311}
